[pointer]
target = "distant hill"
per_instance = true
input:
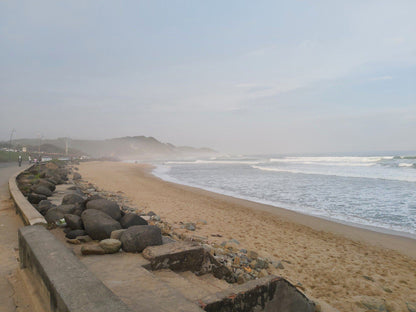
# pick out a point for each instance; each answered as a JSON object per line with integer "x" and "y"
{"x": 137, "y": 147}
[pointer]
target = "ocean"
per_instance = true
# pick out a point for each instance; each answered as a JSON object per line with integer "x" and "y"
{"x": 372, "y": 191}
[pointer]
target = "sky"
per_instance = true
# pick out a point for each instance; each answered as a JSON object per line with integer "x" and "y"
{"x": 238, "y": 76}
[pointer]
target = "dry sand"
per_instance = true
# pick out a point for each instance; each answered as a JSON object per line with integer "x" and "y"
{"x": 339, "y": 264}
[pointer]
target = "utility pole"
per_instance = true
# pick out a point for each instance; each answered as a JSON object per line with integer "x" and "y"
{"x": 10, "y": 142}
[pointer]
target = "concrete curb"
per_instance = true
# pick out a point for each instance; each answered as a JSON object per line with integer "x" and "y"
{"x": 28, "y": 213}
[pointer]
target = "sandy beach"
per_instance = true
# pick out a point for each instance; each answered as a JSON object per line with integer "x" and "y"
{"x": 342, "y": 265}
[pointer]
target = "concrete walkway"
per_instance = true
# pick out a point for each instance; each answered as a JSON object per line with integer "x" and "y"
{"x": 9, "y": 224}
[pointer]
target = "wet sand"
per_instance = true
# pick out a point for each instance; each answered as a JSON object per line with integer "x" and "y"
{"x": 340, "y": 264}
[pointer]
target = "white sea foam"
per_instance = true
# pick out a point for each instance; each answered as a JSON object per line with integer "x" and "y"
{"x": 208, "y": 162}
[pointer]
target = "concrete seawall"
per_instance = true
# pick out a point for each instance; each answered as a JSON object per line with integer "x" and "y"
{"x": 57, "y": 273}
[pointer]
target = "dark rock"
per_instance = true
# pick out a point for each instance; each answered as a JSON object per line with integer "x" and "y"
{"x": 53, "y": 215}
{"x": 138, "y": 237}
{"x": 44, "y": 206}
{"x": 34, "y": 198}
{"x": 151, "y": 213}
{"x": 130, "y": 219}
{"x": 77, "y": 211}
{"x": 75, "y": 233}
{"x": 74, "y": 222}
{"x": 107, "y": 206}
{"x": 47, "y": 184}
{"x": 98, "y": 224}
{"x": 76, "y": 176}
{"x": 66, "y": 209}
{"x": 72, "y": 199}
{"x": 42, "y": 190}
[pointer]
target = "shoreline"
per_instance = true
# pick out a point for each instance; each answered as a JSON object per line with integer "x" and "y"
{"x": 269, "y": 207}
{"x": 342, "y": 265}
{"x": 390, "y": 239}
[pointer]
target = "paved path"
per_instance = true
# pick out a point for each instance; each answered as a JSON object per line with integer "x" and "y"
{"x": 9, "y": 224}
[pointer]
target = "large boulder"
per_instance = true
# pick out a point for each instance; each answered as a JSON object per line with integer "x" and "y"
{"x": 138, "y": 237}
{"x": 72, "y": 199}
{"x": 34, "y": 198}
{"x": 53, "y": 215}
{"x": 107, "y": 206}
{"x": 42, "y": 190}
{"x": 74, "y": 222}
{"x": 131, "y": 219}
{"x": 98, "y": 224}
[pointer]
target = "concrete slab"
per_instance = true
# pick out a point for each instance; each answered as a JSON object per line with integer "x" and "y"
{"x": 68, "y": 283}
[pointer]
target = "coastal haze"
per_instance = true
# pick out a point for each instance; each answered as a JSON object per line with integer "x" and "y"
{"x": 238, "y": 77}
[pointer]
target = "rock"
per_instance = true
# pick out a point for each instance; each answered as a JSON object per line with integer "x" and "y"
{"x": 411, "y": 306}
{"x": 51, "y": 186}
{"x": 74, "y": 222}
{"x": 53, "y": 215}
{"x": 34, "y": 198}
{"x": 117, "y": 234}
{"x": 261, "y": 264}
{"x": 107, "y": 206}
{"x": 130, "y": 219}
{"x": 151, "y": 213}
{"x": 98, "y": 224}
{"x": 76, "y": 176}
{"x": 84, "y": 238}
{"x": 375, "y": 304}
{"x": 368, "y": 278}
{"x": 190, "y": 226}
{"x": 110, "y": 245}
{"x": 72, "y": 199}
{"x": 42, "y": 190}
{"x": 92, "y": 250}
{"x": 75, "y": 233}
{"x": 263, "y": 273}
{"x": 278, "y": 265}
{"x": 73, "y": 241}
{"x": 252, "y": 254}
{"x": 44, "y": 206}
{"x": 202, "y": 222}
{"x": 66, "y": 209}
{"x": 138, "y": 237}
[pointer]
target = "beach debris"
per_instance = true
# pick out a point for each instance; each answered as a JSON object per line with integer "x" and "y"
{"x": 110, "y": 245}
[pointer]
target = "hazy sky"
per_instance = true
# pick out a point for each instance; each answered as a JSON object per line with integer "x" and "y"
{"x": 238, "y": 76}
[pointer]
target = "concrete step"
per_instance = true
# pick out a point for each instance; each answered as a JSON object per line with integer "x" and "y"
{"x": 189, "y": 285}
{"x": 207, "y": 281}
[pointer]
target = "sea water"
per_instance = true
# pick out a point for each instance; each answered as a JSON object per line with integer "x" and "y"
{"x": 376, "y": 191}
